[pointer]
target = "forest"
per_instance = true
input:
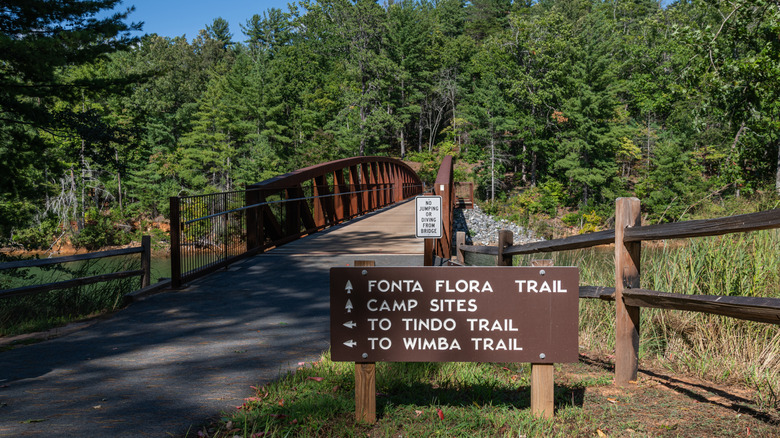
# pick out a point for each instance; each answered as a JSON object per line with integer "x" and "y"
{"x": 558, "y": 103}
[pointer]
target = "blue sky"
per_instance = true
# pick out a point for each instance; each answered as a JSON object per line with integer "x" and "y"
{"x": 174, "y": 18}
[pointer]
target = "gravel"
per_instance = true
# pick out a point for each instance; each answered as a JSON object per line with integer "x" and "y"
{"x": 482, "y": 229}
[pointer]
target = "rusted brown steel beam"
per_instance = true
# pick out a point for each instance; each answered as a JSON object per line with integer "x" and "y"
{"x": 308, "y": 173}
{"x": 443, "y": 186}
{"x": 309, "y": 201}
{"x": 365, "y": 186}
{"x": 374, "y": 184}
{"x": 341, "y": 201}
{"x": 355, "y": 199}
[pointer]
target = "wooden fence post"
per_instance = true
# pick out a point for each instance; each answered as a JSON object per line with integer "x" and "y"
{"x": 460, "y": 240}
{"x": 505, "y": 239}
{"x": 175, "y": 234}
{"x": 626, "y": 277}
{"x": 365, "y": 380}
{"x": 542, "y": 379}
{"x": 146, "y": 261}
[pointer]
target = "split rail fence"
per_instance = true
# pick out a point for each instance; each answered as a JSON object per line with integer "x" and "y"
{"x": 627, "y": 237}
{"x": 144, "y": 272}
{"x": 211, "y": 231}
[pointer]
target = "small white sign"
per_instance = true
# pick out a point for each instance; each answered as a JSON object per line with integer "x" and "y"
{"x": 428, "y": 217}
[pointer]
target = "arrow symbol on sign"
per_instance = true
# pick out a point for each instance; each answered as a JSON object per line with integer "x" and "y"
{"x": 350, "y": 324}
{"x": 348, "y": 306}
{"x": 350, "y": 343}
{"x": 348, "y": 287}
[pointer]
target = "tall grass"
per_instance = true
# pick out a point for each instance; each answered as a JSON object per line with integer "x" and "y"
{"x": 715, "y": 347}
{"x": 29, "y": 313}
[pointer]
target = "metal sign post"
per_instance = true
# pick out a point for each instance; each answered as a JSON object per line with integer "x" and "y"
{"x": 428, "y": 224}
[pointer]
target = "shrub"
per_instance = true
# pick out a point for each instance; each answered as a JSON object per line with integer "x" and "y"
{"x": 99, "y": 231}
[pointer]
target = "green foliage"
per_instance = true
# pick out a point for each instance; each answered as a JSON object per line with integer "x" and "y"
{"x": 39, "y": 237}
{"x": 544, "y": 198}
{"x": 585, "y": 101}
{"x": 100, "y": 230}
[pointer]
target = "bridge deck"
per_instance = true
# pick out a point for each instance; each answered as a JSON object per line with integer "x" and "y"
{"x": 170, "y": 362}
{"x": 388, "y": 231}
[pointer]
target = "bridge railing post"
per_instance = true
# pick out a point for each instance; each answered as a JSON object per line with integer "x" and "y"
{"x": 175, "y": 233}
{"x": 146, "y": 261}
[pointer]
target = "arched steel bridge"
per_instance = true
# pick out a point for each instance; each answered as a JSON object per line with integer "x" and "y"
{"x": 211, "y": 231}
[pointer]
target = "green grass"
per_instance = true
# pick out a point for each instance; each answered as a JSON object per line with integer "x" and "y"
{"x": 475, "y": 399}
{"x": 717, "y": 348}
{"x": 42, "y": 311}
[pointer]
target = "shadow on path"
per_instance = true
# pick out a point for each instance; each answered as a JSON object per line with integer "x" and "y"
{"x": 175, "y": 359}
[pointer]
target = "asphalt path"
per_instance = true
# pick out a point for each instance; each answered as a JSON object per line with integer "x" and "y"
{"x": 167, "y": 364}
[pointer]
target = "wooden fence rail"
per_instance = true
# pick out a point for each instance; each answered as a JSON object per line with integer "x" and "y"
{"x": 627, "y": 294}
{"x": 144, "y": 272}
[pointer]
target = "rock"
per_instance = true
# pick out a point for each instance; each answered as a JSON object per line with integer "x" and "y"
{"x": 482, "y": 229}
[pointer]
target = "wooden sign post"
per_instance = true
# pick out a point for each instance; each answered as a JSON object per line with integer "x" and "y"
{"x": 452, "y": 314}
{"x": 542, "y": 381}
{"x": 365, "y": 380}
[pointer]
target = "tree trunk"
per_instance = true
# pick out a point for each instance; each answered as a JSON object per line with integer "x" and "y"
{"x": 492, "y": 167}
{"x": 523, "y": 169}
{"x": 118, "y": 179}
{"x": 403, "y": 145}
{"x": 420, "y": 132}
{"x": 777, "y": 175}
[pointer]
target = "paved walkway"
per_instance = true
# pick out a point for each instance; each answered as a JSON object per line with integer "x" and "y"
{"x": 168, "y": 363}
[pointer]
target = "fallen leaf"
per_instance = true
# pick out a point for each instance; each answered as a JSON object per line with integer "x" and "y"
{"x": 316, "y": 379}
{"x": 612, "y": 400}
{"x": 281, "y": 402}
{"x": 600, "y": 433}
{"x": 35, "y": 420}
{"x": 97, "y": 407}
{"x": 229, "y": 425}
{"x": 417, "y": 413}
{"x": 506, "y": 369}
{"x": 441, "y": 414}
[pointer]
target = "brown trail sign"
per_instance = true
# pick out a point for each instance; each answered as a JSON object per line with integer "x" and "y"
{"x": 457, "y": 314}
